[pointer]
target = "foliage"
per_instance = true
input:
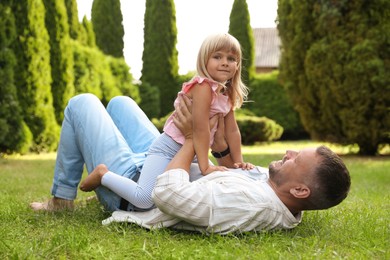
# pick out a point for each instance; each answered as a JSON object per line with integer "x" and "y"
{"x": 355, "y": 229}
{"x": 15, "y": 136}
{"x": 160, "y": 56}
{"x": 107, "y": 20}
{"x": 73, "y": 19}
{"x": 252, "y": 128}
{"x": 335, "y": 66}
{"x": 87, "y": 62}
{"x": 50, "y": 67}
{"x": 268, "y": 98}
{"x": 87, "y": 28}
{"x": 102, "y": 75}
{"x": 61, "y": 58}
{"x": 123, "y": 78}
{"x": 258, "y": 129}
{"x": 181, "y": 79}
{"x": 150, "y": 100}
{"x": 34, "y": 73}
{"x": 160, "y": 122}
{"x": 240, "y": 28}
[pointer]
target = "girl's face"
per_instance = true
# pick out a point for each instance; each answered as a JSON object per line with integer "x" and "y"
{"x": 222, "y": 65}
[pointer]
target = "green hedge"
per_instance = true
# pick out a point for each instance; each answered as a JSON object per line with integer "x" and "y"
{"x": 15, "y": 136}
{"x": 253, "y": 129}
{"x": 150, "y": 99}
{"x": 258, "y": 129}
{"x": 102, "y": 75}
{"x": 268, "y": 98}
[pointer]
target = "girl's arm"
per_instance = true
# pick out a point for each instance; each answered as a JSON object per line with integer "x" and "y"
{"x": 233, "y": 139}
{"x": 219, "y": 145}
{"x": 201, "y": 100}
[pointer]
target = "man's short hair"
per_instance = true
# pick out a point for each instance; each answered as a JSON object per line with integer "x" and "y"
{"x": 331, "y": 181}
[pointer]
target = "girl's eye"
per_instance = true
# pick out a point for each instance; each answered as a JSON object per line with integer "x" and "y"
{"x": 232, "y": 59}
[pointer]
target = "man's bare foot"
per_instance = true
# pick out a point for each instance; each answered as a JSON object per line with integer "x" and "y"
{"x": 54, "y": 204}
{"x": 94, "y": 179}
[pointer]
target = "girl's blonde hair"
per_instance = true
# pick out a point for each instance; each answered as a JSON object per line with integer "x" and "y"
{"x": 236, "y": 89}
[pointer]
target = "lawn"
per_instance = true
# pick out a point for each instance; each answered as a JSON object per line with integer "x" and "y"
{"x": 358, "y": 228}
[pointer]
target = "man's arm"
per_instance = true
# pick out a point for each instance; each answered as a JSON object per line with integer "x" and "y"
{"x": 186, "y": 154}
{"x": 174, "y": 194}
{"x": 183, "y": 158}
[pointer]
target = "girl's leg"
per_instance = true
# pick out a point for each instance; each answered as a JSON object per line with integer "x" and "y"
{"x": 139, "y": 193}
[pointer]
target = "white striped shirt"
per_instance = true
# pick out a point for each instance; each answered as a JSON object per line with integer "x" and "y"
{"x": 221, "y": 202}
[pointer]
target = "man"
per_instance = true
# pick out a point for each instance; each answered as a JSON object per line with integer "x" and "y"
{"x": 118, "y": 137}
{"x": 221, "y": 202}
{"x": 230, "y": 201}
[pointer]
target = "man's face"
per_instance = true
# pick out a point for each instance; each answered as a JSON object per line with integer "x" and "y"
{"x": 295, "y": 167}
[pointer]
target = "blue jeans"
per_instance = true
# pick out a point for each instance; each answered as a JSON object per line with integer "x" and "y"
{"x": 118, "y": 137}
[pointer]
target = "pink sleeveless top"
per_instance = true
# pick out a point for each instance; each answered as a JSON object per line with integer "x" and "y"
{"x": 219, "y": 104}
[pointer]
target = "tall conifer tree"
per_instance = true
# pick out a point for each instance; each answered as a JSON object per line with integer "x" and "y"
{"x": 240, "y": 28}
{"x": 14, "y": 133}
{"x": 107, "y": 24}
{"x": 335, "y": 67}
{"x": 34, "y": 73}
{"x": 73, "y": 19}
{"x": 61, "y": 55}
{"x": 90, "y": 38}
{"x": 160, "y": 56}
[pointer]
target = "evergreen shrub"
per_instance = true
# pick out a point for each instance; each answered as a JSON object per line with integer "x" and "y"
{"x": 33, "y": 74}
{"x": 15, "y": 136}
{"x": 150, "y": 100}
{"x": 268, "y": 98}
{"x": 123, "y": 78}
{"x": 253, "y": 129}
{"x": 102, "y": 75}
{"x": 265, "y": 129}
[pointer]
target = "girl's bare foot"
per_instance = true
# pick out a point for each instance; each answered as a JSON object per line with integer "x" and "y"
{"x": 54, "y": 204}
{"x": 94, "y": 179}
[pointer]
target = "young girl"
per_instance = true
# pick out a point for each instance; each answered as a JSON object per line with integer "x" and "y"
{"x": 216, "y": 89}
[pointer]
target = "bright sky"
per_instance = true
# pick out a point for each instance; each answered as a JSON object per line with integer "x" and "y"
{"x": 194, "y": 20}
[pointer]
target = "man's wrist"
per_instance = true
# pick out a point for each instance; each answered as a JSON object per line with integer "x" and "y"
{"x": 221, "y": 154}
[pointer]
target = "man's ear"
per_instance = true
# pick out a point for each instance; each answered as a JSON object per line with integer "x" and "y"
{"x": 300, "y": 192}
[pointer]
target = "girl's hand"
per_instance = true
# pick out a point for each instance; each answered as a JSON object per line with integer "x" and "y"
{"x": 213, "y": 168}
{"x": 219, "y": 143}
{"x": 244, "y": 165}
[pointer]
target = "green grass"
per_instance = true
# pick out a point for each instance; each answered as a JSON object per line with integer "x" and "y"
{"x": 358, "y": 228}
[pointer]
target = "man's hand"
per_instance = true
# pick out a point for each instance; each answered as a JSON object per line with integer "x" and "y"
{"x": 183, "y": 117}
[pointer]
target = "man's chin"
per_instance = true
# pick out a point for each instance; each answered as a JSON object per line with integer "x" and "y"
{"x": 275, "y": 165}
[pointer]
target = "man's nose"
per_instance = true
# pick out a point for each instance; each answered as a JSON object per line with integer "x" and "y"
{"x": 291, "y": 154}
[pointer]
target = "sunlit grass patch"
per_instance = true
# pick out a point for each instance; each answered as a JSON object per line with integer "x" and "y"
{"x": 358, "y": 228}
